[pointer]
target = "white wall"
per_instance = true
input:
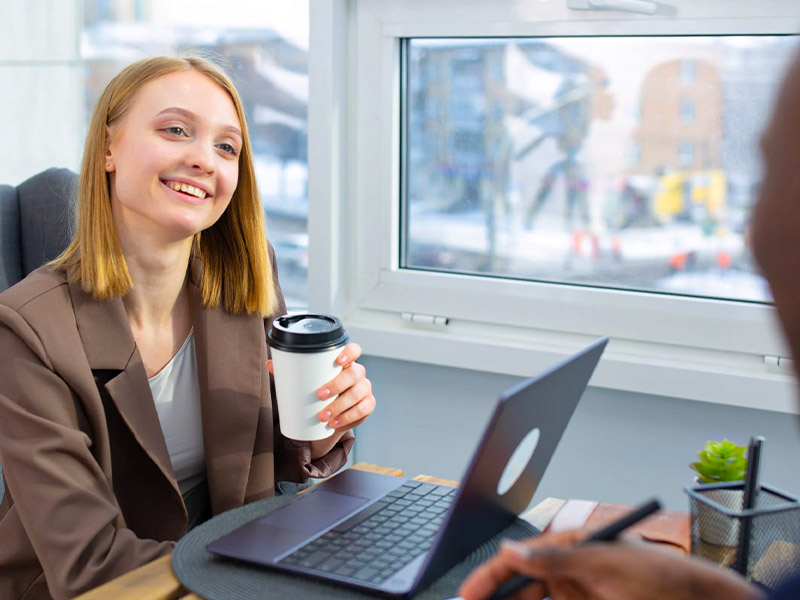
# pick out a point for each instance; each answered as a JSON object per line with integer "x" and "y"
{"x": 41, "y": 87}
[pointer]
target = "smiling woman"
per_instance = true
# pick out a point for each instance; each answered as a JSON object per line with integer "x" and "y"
{"x": 135, "y": 395}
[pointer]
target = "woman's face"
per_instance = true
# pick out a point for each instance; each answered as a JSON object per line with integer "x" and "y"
{"x": 173, "y": 159}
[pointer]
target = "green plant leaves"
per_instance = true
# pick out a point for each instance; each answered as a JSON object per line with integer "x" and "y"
{"x": 721, "y": 461}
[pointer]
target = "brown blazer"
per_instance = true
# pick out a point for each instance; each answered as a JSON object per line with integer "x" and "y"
{"x": 90, "y": 492}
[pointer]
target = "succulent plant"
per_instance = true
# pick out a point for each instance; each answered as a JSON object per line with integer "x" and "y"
{"x": 721, "y": 461}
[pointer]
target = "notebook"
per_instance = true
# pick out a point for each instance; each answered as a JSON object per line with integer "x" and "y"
{"x": 394, "y": 536}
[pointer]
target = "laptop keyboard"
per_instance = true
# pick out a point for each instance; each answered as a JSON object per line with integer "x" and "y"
{"x": 380, "y": 540}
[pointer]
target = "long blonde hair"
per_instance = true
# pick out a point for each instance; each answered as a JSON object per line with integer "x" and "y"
{"x": 237, "y": 271}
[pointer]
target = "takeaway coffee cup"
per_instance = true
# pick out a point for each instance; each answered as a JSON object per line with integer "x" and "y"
{"x": 304, "y": 351}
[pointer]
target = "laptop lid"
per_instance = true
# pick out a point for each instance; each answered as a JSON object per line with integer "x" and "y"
{"x": 536, "y": 410}
{"x": 534, "y": 413}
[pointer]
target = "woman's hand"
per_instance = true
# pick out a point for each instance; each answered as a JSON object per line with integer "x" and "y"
{"x": 604, "y": 571}
{"x": 354, "y": 404}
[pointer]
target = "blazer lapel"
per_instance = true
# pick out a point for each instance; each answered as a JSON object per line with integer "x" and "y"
{"x": 110, "y": 347}
{"x": 230, "y": 365}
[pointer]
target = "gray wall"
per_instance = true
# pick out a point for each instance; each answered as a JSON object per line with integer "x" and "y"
{"x": 619, "y": 447}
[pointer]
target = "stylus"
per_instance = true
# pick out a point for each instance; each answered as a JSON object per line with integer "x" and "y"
{"x": 606, "y": 534}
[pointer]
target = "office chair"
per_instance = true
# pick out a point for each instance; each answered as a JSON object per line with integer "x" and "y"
{"x": 35, "y": 226}
{"x": 35, "y": 222}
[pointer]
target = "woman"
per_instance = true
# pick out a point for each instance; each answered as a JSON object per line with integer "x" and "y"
{"x": 135, "y": 397}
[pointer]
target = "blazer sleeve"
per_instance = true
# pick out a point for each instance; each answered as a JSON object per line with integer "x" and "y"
{"x": 60, "y": 493}
{"x": 293, "y": 458}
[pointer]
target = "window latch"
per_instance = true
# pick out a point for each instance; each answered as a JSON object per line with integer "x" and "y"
{"x": 421, "y": 319}
{"x": 778, "y": 363}
{"x": 645, "y": 7}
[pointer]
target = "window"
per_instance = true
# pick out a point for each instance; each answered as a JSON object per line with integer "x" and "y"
{"x": 656, "y": 220}
{"x": 444, "y": 221}
{"x": 687, "y": 111}
{"x": 686, "y": 160}
{"x": 266, "y": 53}
{"x": 688, "y": 70}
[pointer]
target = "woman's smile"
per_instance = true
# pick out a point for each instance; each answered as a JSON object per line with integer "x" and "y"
{"x": 189, "y": 192}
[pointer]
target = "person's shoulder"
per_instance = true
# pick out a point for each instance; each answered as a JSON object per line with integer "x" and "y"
{"x": 44, "y": 283}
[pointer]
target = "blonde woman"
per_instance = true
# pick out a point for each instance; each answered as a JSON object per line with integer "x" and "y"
{"x": 134, "y": 390}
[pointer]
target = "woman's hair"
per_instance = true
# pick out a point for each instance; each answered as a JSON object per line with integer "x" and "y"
{"x": 237, "y": 271}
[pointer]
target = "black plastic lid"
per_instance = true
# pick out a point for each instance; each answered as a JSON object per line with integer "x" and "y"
{"x": 307, "y": 332}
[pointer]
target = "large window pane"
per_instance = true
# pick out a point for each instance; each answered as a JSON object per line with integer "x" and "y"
{"x": 622, "y": 162}
{"x": 264, "y": 47}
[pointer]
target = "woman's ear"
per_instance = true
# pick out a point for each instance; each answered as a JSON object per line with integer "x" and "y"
{"x": 110, "y": 168}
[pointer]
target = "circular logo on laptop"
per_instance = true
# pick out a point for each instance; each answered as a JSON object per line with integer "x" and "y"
{"x": 518, "y": 461}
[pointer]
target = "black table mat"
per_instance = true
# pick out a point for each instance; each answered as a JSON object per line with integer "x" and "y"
{"x": 215, "y": 578}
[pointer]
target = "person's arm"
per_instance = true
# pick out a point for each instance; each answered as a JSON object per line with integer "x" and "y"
{"x": 604, "y": 571}
{"x": 61, "y": 495}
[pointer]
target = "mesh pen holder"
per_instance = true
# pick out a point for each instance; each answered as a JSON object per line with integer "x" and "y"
{"x": 762, "y": 543}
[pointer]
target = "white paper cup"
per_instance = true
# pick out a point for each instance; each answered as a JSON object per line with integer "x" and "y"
{"x": 304, "y": 350}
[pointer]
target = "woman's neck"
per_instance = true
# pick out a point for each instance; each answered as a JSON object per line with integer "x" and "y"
{"x": 158, "y": 304}
{"x": 159, "y": 278}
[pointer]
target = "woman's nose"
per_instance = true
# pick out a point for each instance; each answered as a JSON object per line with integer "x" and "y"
{"x": 201, "y": 156}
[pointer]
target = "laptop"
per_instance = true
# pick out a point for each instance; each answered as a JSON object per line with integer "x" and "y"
{"x": 394, "y": 536}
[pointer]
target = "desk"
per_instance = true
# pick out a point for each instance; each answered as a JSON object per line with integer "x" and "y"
{"x": 156, "y": 581}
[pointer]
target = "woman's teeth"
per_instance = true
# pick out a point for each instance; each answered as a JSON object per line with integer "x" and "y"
{"x": 186, "y": 189}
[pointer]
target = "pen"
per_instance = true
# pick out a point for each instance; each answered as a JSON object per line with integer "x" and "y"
{"x": 751, "y": 489}
{"x": 606, "y": 534}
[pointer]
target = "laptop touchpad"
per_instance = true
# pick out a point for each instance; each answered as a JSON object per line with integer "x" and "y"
{"x": 313, "y": 511}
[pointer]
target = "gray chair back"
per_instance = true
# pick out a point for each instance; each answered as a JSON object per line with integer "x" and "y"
{"x": 35, "y": 227}
{"x": 35, "y": 222}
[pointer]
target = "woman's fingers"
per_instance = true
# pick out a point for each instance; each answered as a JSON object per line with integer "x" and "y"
{"x": 343, "y": 381}
{"x": 352, "y": 405}
{"x": 349, "y": 354}
{"x": 355, "y": 415}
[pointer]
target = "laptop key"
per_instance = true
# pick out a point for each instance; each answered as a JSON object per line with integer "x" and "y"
{"x": 427, "y": 488}
{"x": 365, "y": 573}
{"x": 345, "y": 570}
{"x": 330, "y": 565}
{"x": 360, "y": 516}
{"x": 314, "y": 559}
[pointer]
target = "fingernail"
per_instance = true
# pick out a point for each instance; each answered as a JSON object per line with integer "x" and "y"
{"x": 325, "y": 416}
{"x": 521, "y": 550}
{"x": 324, "y": 393}
{"x": 342, "y": 359}
{"x": 334, "y": 423}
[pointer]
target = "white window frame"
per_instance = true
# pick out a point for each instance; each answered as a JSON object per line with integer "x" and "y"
{"x": 709, "y": 350}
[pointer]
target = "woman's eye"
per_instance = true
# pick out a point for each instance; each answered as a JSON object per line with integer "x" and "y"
{"x": 228, "y": 148}
{"x": 175, "y": 130}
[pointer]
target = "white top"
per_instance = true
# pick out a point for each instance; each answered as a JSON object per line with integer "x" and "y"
{"x": 176, "y": 392}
